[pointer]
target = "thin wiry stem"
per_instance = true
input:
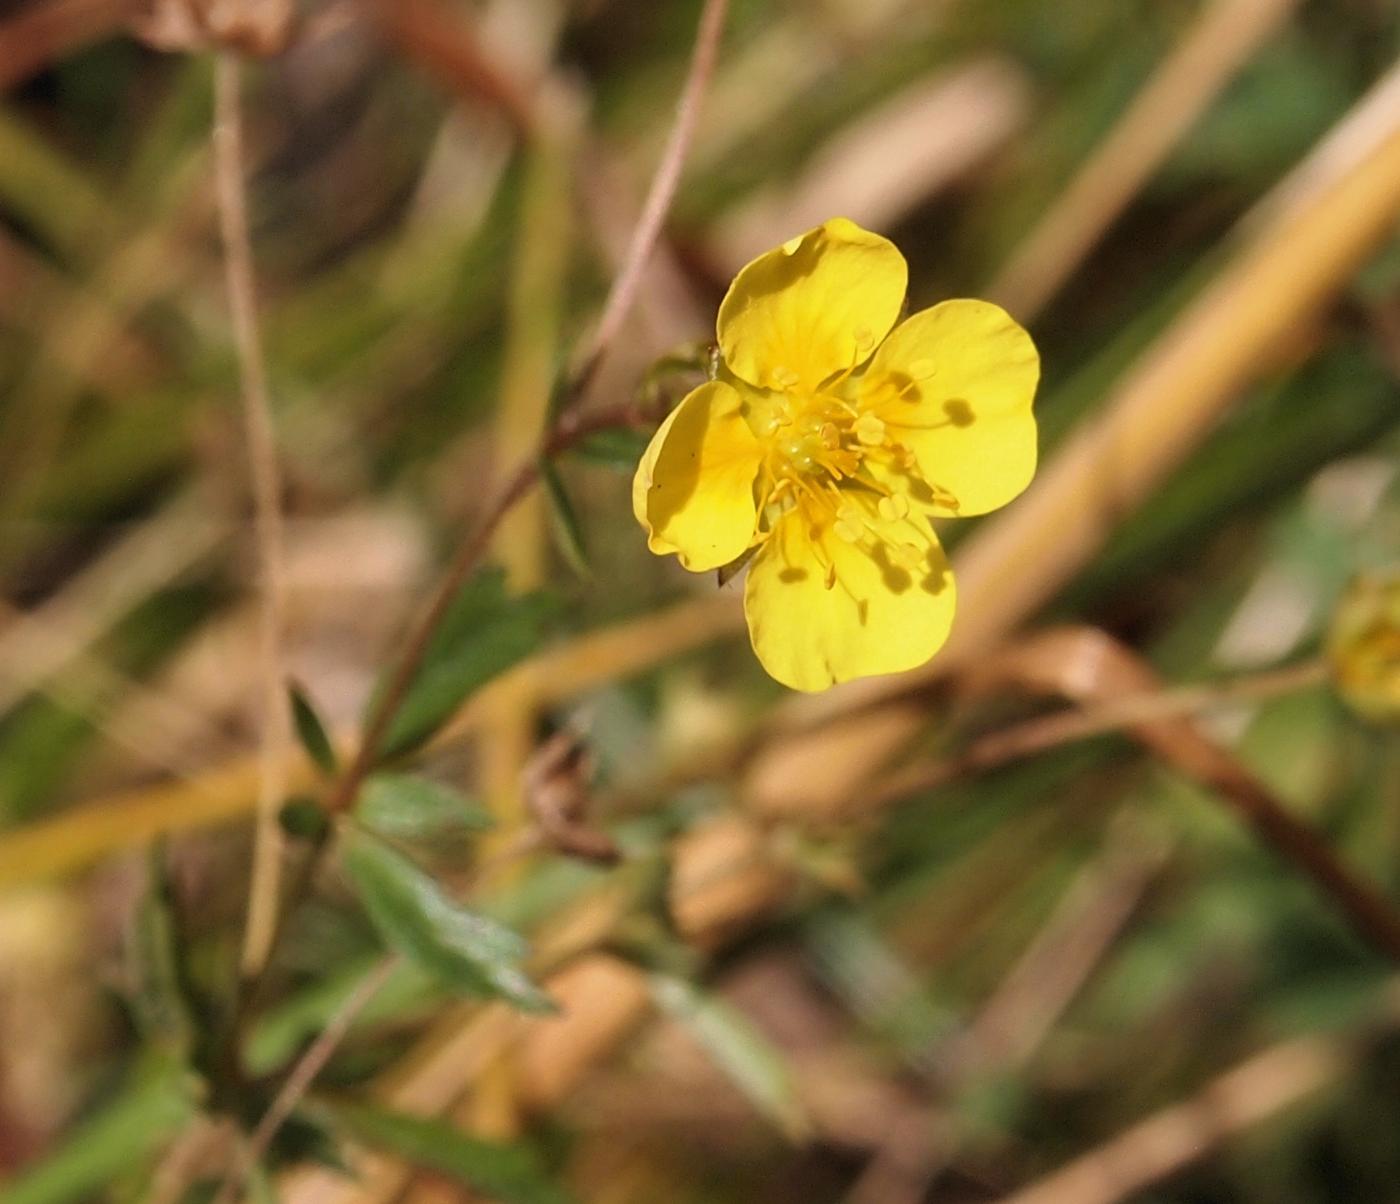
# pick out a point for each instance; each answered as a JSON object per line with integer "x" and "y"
{"x": 267, "y": 511}
{"x": 303, "y": 1074}
{"x": 1046, "y": 732}
{"x": 662, "y": 192}
{"x": 569, "y": 426}
{"x": 1371, "y": 913}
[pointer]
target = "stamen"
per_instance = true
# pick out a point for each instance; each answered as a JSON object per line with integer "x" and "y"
{"x": 870, "y": 430}
{"x": 848, "y": 525}
{"x": 893, "y": 507}
{"x": 783, "y": 378}
{"x": 905, "y": 456}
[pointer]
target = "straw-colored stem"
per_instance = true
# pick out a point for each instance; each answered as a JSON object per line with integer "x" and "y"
{"x": 1220, "y": 41}
{"x": 275, "y": 741}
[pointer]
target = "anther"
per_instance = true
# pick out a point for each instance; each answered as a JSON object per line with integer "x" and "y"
{"x": 870, "y": 430}
{"x": 848, "y": 526}
{"x": 783, "y": 378}
{"x": 906, "y": 458}
{"x": 894, "y": 507}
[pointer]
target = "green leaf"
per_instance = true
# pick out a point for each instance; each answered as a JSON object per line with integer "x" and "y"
{"x": 750, "y": 1060}
{"x": 463, "y": 949}
{"x": 310, "y": 730}
{"x": 303, "y": 818}
{"x": 160, "y": 1000}
{"x": 510, "y": 1173}
{"x": 407, "y": 807}
{"x": 484, "y": 632}
{"x": 115, "y": 1139}
{"x": 618, "y": 447}
{"x": 567, "y": 528}
{"x": 280, "y": 1032}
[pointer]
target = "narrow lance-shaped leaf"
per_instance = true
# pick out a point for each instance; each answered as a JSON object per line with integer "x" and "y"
{"x": 310, "y": 730}
{"x": 160, "y": 1001}
{"x": 484, "y": 632}
{"x": 618, "y": 447}
{"x": 510, "y": 1173}
{"x": 462, "y": 948}
{"x": 113, "y": 1140}
{"x": 751, "y": 1061}
{"x": 405, "y": 806}
{"x": 567, "y": 528}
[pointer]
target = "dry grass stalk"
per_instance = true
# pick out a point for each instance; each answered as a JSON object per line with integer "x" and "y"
{"x": 150, "y": 727}
{"x": 534, "y": 305}
{"x": 266, "y": 476}
{"x": 1221, "y": 40}
{"x": 129, "y": 818}
{"x": 877, "y": 169}
{"x": 42, "y": 642}
{"x": 1083, "y": 663}
{"x": 1170, "y": 1140}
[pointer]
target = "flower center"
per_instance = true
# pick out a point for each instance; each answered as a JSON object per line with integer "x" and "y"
{"x": 817, "y": 435}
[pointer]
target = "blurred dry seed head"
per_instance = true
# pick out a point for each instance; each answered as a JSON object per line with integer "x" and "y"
{"x": 822, "y": 775}
{"x": 558, "y": 795}
{"x": 601, "y": 1001}
{"x": 1363, "y": 646}
{"x": 255, "y": 27}
{"x": 725, "y": 877}
{"x": 698, "y": 725}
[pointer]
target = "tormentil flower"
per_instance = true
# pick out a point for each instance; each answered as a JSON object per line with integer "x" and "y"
{"x": 828, "y": 440}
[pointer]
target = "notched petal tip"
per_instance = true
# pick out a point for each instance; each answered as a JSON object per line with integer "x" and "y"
{"x": 817, "y": 305}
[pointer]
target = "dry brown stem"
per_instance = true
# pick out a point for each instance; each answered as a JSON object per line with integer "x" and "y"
{"x": 1182, "y": 1133}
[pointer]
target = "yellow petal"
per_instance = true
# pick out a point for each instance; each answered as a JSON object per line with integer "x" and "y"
{"x": 954, "y": 385}
{"x": 889, "y": 608}
{"x": 694, "y": 488}
{"x": 817, "y": 305}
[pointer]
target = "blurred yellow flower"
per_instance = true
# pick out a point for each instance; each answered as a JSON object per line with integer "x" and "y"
{"x": 1363, "y": 645}
{"x": 828, "y": 440}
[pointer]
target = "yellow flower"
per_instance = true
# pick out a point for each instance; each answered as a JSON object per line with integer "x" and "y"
{"x": 828, "y": 440}
{"x": 1363, "y": 645}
